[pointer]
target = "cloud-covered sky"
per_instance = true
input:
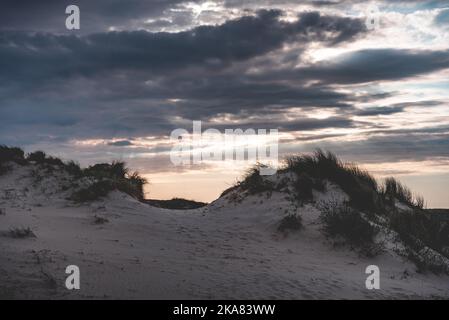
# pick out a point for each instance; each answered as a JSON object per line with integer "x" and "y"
{"x": 314, "y": 70}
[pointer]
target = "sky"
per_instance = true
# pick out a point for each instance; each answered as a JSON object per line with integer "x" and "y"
{"x": 365, "y": 80}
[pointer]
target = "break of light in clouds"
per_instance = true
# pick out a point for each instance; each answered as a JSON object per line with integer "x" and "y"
{"x": 136, "y": 70}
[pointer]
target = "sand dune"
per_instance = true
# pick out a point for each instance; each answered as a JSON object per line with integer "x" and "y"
{"x": 229, "y": 249}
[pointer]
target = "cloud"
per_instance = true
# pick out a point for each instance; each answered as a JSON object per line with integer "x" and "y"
{"x": 375, "y": 65}
{"x": 139, "y": 83}
{"x": 30, "y": 56}
{"x": 377, "y": 111}
{"x": 442, "y": 18}
{"x": 96, "y": 16}
{"x": 121, "y": 143}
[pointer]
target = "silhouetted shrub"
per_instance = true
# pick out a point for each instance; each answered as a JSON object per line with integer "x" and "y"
{"x": 53, "y": 161}
{"x": 40, "y": 157}
{"x": 132, "y": 185}
{"x": 291, "y": 222}
{"x": 254, "y": 182}
{"x": 37, "y": 156}
{"x": 113, "y": 176}
{"x": 94, "y": 192}
{"x": 176, "y": 204}
{"x": 21, "y": 233}
{"x": 341, "y": 219}
{"x": 393, "y": 189}
{"x": 100, "y": 220}
{"x": 4, "y": 169}
{"x": 11, "y": 154}
{"x": 135, "y": 185}
{"x": 114, "y": 170}
{"x": 73, "y": 168}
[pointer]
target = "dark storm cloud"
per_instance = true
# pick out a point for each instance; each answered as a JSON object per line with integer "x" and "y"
{"x": 300, "y": 124}
{"x": 377, "y": 111}
{"x": 239, "y": 95}
{"x": 96, "y": 15}
{"x": 377, "y": 64}
{"x": 390, "y": 146}
{"x": 394, "y": 147}
{"x": 121, "y": 143}
{"x": 395, "y": 108}
{"x": 30, "y": 57}
{"x": 118, "y": 84}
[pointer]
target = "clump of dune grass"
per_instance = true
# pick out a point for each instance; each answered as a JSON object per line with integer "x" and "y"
{"x": 254, "y": 182}
{"x": 41, "y": 157}
{"x": 393, "y": 190}
{"x": 291, "y": 222}
{"x": 21, "y": 233}
{"x": 13, "y": 154}
{"x": 304, "y": 186}
{"x": 360, "y": 186}
{"x": 100, "y": 220}
{"x": 417, "y": 229}
{"x": 8, "y": 155}
{"x": 4, "y": 169}
{"x": 340, "y": 219}
{"x": 109, "y": 177}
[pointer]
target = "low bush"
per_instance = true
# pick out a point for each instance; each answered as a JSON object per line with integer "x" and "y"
{"x": 304, "y": 186}
{"x": 176, "y": 204}
{"x": 21, "y": 233}
{"x": 343, "y": 220}
{"x": 37, "y": 156}
{"x": 132, "y": 185}
{"x": 40, "y": 157}
{"x": 73, "y": 168}
{"x": 114, "y": 170}
{"x": 4, "y": 169}
{"x": 417, "y": 229}
{"x": 93, "y": 192}
{"x": 100, "y": 220}
{"x": 393, "y": 190}
{"x": 291, "y": 222}
{"x": 12, "y": 154}
{"x": 254, "y": 182}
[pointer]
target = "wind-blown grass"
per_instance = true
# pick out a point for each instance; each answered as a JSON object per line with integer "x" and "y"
{"x": 360, "y": 186}
{"x": 108, "y": 177}
{"x": 367, "y": 198}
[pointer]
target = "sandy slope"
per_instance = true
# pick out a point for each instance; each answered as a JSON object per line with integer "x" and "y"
{"x": 225, "y": 250}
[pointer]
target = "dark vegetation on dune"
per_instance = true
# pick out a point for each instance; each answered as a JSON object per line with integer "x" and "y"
{"x": 175, "y": 204}
{"x": 103, "y": 178}
{"x": 369, "y": 200}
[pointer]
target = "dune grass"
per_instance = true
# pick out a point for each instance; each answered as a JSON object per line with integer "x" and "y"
{"x": 109, "y": 177}
{"x": 367, "y": 199}
{"x": 106, "y": 176}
